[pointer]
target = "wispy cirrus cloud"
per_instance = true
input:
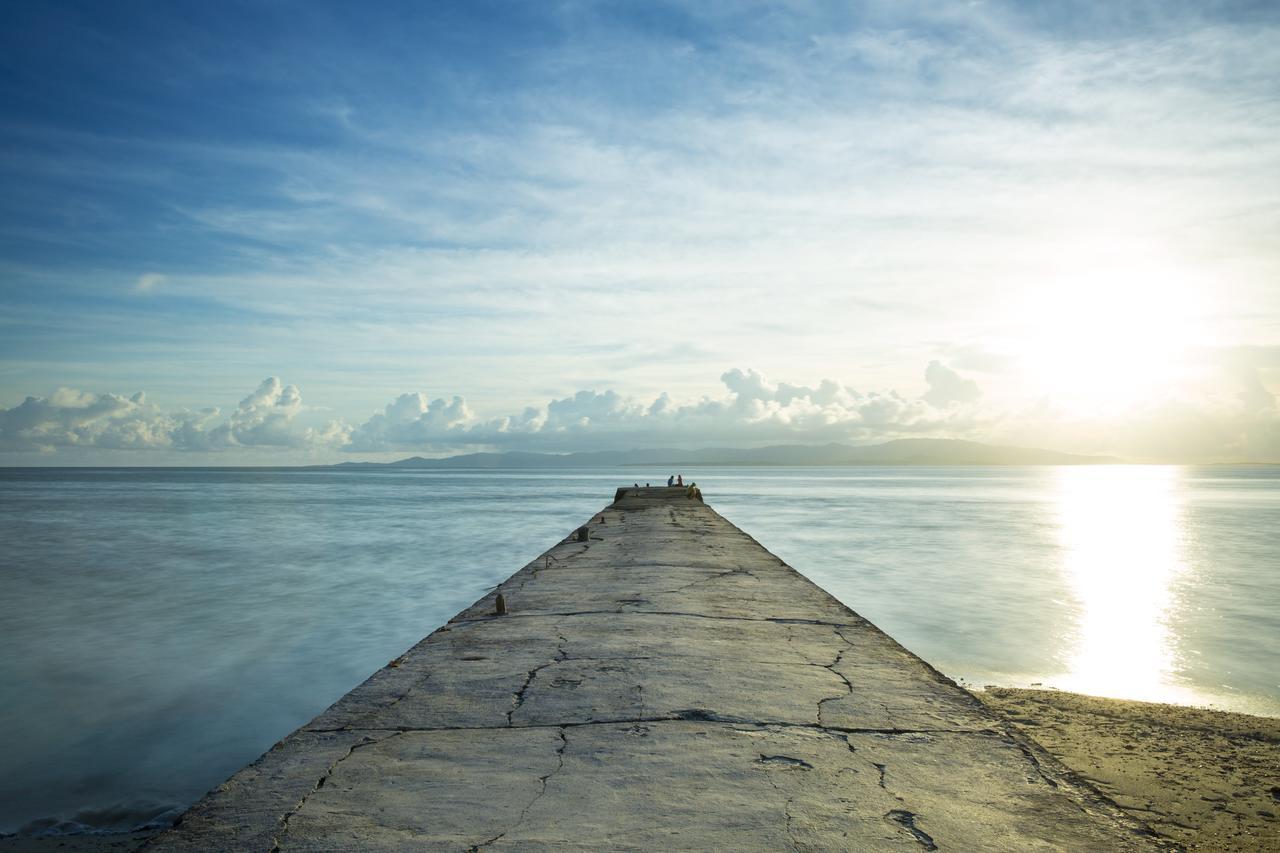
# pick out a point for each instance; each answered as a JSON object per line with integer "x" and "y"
{"x": 149, "y": 281}
{"x": 821, "y": 192}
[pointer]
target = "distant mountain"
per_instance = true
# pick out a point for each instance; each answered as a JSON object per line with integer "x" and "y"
{"x": 903, "y": 451}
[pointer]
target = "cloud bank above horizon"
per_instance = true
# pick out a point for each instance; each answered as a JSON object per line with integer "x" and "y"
{"x": 266, "y": 425}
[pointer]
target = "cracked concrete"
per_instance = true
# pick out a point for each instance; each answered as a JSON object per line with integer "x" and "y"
{"x": 667, "y": 684}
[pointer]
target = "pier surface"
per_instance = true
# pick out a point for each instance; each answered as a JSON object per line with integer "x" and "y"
{"x": 665, "y": 684}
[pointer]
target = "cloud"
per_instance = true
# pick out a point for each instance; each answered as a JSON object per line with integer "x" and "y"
{"x": 411, "y": 421}
{"x": 763, "y": 182}
{"x": 947, "y": 387}
{"x": 149, "y": 282}
{"x": 979, "y": 358}
{"x": 751, "y": 410}
{"x": 263, "y": 419}
{"x": 77, "y": 419}
{"x": 70, "y": 418}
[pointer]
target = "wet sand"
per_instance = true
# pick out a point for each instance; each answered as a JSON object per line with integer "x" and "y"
{"x": 1207, "y": 780}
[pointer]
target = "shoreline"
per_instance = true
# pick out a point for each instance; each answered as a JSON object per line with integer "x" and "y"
{"x": 1202, "y": 779}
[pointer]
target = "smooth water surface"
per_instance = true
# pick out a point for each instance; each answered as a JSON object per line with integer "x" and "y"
{"x": 163, "y": 627}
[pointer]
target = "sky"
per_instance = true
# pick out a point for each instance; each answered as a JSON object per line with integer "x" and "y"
{"x": 282, "y": 232}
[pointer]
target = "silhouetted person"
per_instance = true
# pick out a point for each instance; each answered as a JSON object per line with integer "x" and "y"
{"x": 680, "y": 480}
{"x": 671, "y": 481}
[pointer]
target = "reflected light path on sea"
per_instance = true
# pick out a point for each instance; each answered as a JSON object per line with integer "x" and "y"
{"x": 1122, "y": 539}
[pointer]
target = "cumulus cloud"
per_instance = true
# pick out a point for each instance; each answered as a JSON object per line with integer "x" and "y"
{"x": 754, "y": 410}
{"x": 77, "y": 419}
{"x": 947, "y": 387}
{"x": 411, "y": 421}
{"x": 70, "y": 418}
{"x": 750, "y": 410}
{"x": 264, "y": 418}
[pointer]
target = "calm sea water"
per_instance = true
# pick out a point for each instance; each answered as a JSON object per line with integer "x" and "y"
{"x": 162, "y": 628}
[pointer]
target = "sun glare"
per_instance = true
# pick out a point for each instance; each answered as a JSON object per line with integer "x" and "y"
{"x": 1121, "y": 535}
{"x": 1102, "y": 341}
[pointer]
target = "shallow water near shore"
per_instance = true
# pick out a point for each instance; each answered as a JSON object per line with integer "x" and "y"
{"x": 163, "y": 627}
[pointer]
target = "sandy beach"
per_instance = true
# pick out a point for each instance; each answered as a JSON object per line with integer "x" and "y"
{"x": 1204, "y": 780}
{"x": 1207, "y": 780}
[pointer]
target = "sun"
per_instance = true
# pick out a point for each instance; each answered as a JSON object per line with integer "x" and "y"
{"x": 1108, "y": 339}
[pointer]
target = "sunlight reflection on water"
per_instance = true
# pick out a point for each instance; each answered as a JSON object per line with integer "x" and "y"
{"x": 1122, "y": 540}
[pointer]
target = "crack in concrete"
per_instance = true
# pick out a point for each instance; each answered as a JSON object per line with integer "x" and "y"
{"x": 476, "y": 848}
{"x": 902, "y": 817}
{"x": 696, "y": 657}
{"x": 786, "y": 761}
{"x": 907, "y": 820}
{"x": 387, "y": 707}
{"x": 684, "y": 563}
{"x": 716, "y": 576}
{"x": 786, "y": 810}
{"x": 283, "y": 823}
{"x": 1086, "y": 793}
{"x": 791, "y": 830}
{"x": 831, "y": 667}
{"x": 777, "y": 620}
{"x": 542, "y": 789}
{"x": 1035, "y": 762}
{"x": 518, "y": 697}
{"x": 564, "y": 744}
{"x": 687, "y": 715}
{"x": 529, "y": 572}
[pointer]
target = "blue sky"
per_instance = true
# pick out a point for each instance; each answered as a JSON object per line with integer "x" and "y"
{"x": 603, "y": 224}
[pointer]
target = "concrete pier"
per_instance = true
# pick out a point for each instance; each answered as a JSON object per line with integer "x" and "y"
{"x": 665, "y": 684}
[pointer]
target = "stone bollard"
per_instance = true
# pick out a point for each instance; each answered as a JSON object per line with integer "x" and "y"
{"x": 500, "y": 605}
{"x": 583, "y": 534}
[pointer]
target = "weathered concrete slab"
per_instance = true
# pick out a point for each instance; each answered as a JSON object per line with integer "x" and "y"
{"x": 667, "y": 684}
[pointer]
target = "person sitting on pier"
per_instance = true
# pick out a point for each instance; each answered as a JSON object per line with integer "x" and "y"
{"x": 694, "y": 492}
{"x": 680, "y": 480}
{"x": 671, "y": 481}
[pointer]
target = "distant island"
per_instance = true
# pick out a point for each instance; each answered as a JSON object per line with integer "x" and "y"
{"x": 905, "y": 451}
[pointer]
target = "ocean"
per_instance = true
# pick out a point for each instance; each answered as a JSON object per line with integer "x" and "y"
{"x": 163, "y": 627}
